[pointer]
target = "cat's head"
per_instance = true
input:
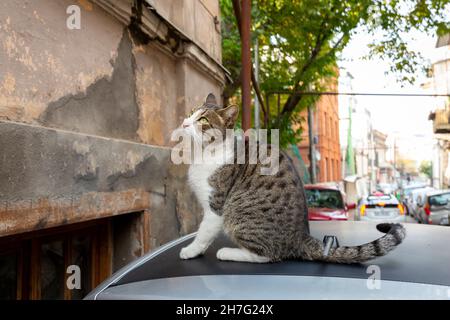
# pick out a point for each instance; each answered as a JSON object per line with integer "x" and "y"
{"x": 210, "y": 116}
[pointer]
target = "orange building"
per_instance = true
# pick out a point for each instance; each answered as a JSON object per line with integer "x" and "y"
{"x": 326, "y": 129}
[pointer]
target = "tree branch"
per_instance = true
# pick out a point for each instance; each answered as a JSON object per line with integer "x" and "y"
{"x": 295, "y": 97}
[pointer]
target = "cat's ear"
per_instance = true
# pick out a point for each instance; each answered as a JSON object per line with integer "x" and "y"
{"x": 211, "y": 100}
{"x": 229, "y": 115}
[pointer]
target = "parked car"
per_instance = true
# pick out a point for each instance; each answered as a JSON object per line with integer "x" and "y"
{"x": 407, "y": 192}
{"x": 406, "y": 272}
{"x": 326, "y": 202}
{"x": 416, "y": 196}
{"x": 434, "y": 208}
{"x": 381, "y": 207}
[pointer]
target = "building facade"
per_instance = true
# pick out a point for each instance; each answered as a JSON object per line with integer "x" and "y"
{"x": 326, "y": 132}
{"x": 440, "y": 84}
{"x": 90, "y": 92}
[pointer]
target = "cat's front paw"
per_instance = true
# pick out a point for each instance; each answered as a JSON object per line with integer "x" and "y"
{"x": 190, "y": 252}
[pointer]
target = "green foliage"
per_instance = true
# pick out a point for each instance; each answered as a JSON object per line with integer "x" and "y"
{"x": 395, "y": 19}
{"x": 300, "y": 42}
{"x": 426, "y": 168}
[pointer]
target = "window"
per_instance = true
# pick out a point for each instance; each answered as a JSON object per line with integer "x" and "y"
{"x": 439, "y": 200}
{"x": 329, "y": 171}
{"x": 338, "y": 175}
{"x": 333, "y": 170}
{"x": 324, "y": 198}
{"x": 8, "y": 276}
{"x": 35, "y": 266}
{"x": 336, "y": 130}
{"x": 331, "y": 128}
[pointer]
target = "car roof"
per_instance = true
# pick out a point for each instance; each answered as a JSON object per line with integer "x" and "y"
{"x": 375, "y": 199}
{"x": 422, "y": 190}
{"x": 414, "y": 186}
{"x": 321, "y": 187}
{"x": 423, "y": 258}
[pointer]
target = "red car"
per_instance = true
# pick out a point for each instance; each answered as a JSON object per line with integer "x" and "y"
{"x": 326, "y": 203}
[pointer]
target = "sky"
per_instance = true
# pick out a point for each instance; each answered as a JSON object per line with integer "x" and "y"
{"x": 405, "y": 118}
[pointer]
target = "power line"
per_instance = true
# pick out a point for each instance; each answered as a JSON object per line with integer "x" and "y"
{"x": 311, "y": 93}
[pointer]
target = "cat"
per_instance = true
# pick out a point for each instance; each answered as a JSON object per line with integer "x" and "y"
{"x": 264, "y": 215}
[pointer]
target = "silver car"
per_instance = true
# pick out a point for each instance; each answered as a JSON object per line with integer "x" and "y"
{"x": 405, "y": 273}
{"x": 381, "y": 208}
{"x": 435, "y": 208}
{"x": 407, "y": 196}
{"x": 416, "y": 197}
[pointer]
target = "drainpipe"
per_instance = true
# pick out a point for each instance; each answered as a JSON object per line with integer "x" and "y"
{"x": 312, "y": 146}
{"x": 246, "y": 64}
{"x": 257, "y": 125}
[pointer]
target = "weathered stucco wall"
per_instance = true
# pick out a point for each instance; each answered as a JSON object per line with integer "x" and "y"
{"x": 51, "y": 177}
{"x": 99, "y": 79}
{"x": 197, "y": 19}
{"x": 41, "y": 60}
{"x": 86, "y": 115}
{"x": 167, "y": 89}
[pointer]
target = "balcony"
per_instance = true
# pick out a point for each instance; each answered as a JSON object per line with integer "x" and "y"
{"x": 441, "y": 121}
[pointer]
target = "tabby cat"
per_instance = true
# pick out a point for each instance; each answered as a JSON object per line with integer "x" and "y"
{"x": 264, "y": 215}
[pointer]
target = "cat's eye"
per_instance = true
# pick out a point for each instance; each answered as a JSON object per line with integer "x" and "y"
{"x": 203, "y": 120}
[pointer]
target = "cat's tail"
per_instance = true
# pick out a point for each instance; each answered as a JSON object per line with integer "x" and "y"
{"x": 313, "y": 249}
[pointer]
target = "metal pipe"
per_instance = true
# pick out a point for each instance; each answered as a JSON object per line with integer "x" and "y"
{"x": 257, "y": 125}
{"x": 312, "y": 147}
{"x": 246, "y": 64}
{"x": 326, "y": 93}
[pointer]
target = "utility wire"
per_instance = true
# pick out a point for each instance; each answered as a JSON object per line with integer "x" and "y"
{"x": 368, "y": 94}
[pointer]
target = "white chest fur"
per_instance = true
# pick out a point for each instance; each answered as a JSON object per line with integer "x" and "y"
{"x": 200, "y": 173}
{"x": 198, "y": 180}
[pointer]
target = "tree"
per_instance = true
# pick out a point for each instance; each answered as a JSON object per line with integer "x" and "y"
{"x": 300, "y": 42}
{"x": 426, "y": 168}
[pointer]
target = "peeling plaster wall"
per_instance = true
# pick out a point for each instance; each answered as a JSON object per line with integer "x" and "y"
{"x": 97, "y": 80}
{"x": 86, "y": 115}
{"x": 107, "y": 107}
{"x": 167, "y": 89}
{"x": 61, "y": 167}
{"x": 41, "y": 60}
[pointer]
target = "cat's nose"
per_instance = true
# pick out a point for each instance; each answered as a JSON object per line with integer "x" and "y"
{"x": 185, "y": 124}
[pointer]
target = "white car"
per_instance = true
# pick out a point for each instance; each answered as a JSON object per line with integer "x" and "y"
{"x": 381, "y": 208}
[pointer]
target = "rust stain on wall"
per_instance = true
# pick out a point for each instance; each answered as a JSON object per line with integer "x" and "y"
{"x": 24, "y": 216}
{"x": 86, "y": 4}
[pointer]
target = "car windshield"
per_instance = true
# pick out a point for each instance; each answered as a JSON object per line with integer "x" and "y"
{"x": 379, "y": 198}
{"x": 383, "y": 200}
{"x": 323, "y": 198}
{"x": 440, "y": 199}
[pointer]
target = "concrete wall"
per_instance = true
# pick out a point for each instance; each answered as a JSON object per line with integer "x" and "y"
{"x": 199, "y": 20}
{"x": 87, "y": 114}
{"x": 96, "y": 80}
